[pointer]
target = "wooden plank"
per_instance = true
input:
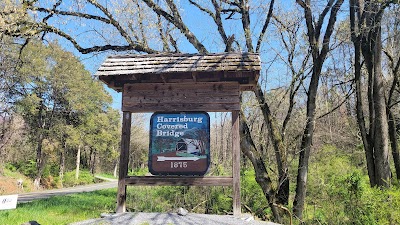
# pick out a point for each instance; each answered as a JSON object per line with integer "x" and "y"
{"x": 172, "y": 57}
{"x": 178, "y": 181}
{"x": 236, "y": 163}
{"x": 123, "y": 161}
{"x": 180, "y": 67}
{"x": 183, "y": 63}
{"x": 247, "y": 87}
{"x": 101, "y": 72}
{"x": 147, "y": 108}
{"x": 180, "y": 56}
{"x": 180, "y": 99}
{"x": 202, "y": 76}
{"x": 218, "y": 96}
{"x": 218, "y": 88}
{"x": 201, "y": 98}
{"x": 254, "y": 58}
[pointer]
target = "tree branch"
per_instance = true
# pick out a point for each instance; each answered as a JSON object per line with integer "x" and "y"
{"x": 162, "y": 36}
{"x": 177, "y": 21}
{"x": 351, "y": 91}
{"x": 321, "y": 18}
{"x": 266, "y": 23}
{"x": 113, "y": 21}
{"x": 329, "y": 29}
{"x": 75, "y": 14}
{"x": 82, "y": 50}
{"x": 244, "y": 10}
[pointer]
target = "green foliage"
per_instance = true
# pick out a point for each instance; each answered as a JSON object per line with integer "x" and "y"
{"x": 106, "y": 175}
{"x": 62, "y": 108}
{"x": 214, "y": 200}
{"x": 11, "y": 167}
{"x": 339, "y": 193}
{"x": 220, "y": 201}
{"x": 62, "y": 209}
{"x": 138, "y": 172}
{"x": 85, "y": 177}
{"x": 26, "y": 168}
{"x": 252, "y": 195}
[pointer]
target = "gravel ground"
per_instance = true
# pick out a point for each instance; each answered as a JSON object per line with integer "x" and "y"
{"x": 172, "y": 219}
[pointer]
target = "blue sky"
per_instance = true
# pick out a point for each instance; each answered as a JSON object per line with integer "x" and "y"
{"x": 203, "y": 27}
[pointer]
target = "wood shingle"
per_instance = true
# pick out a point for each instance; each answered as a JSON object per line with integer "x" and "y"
{"x": 177, "y": 68}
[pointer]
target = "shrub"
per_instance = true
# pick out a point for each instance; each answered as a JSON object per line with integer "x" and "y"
{"x": 27, "y": 168}
{"x": 339, "y": 193}
{"x": 85, "y": 177}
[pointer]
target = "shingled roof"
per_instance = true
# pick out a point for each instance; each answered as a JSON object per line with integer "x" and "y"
{"x": 175, "y": 68}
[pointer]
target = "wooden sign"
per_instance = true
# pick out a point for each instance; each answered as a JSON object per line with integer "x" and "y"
{"x": 179, "y": 143}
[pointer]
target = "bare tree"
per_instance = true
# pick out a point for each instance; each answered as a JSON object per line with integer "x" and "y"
{"x": 391, "y": 50}
{"x": 365, "y": 23}
{"x": 319, "y": 47}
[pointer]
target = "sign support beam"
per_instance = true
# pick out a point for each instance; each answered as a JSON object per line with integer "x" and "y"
{"x": 236, "y": 163}
{"x": 123, "y": 161}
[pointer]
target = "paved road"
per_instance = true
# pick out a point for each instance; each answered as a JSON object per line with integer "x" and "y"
{"x": 27, "y": 197}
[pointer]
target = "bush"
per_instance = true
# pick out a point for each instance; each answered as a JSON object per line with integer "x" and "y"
{"x": 339, "y": 193}
{"x": 252, "y": 195}
{"x": 27, "y": 168}
{"x": 85, "y": 177}
{"x": 10, "y": 167}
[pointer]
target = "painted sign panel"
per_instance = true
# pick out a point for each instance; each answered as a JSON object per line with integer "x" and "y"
{"x": 8, "y": 202}
{"x": 179, "y": 143}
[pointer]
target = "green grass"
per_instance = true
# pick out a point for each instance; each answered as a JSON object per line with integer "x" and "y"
{"x": 106, "y": 175}
{"x": 62, "y": 209}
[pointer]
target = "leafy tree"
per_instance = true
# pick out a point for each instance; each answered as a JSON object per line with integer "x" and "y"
{"x": 55, "y": 95}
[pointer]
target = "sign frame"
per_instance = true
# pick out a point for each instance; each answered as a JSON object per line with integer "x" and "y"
{"x": 189, "y": 143}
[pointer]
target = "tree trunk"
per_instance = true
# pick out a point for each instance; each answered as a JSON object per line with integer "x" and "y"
{"x": 78, "y": 162}
{"x": 262, "y": 177}
{"x": 39, "y": 162}
{"x": 381, "y": 138}
{"x": 393, "y": 143}
{"x": 355, "y": 14}
{"x": 319, "y": 55}
{"x": 280, "y": 150}
{"x": 306, "y": 143}
{"x": 115, "y": 168}
{"x": 62, "y": 163}
{"x": 92, "y": 161}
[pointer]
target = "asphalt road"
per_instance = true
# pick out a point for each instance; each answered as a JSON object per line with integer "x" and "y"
{"x": 27, "y": 197}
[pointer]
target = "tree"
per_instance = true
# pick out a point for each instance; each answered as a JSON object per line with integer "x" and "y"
{"x": 391, "y": 50}
{"x": 319, "y": 50}
{"x": 54, "y": 94}
{"x": 365, "y": 21}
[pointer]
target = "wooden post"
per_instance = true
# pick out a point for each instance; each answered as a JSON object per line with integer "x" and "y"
{"x": 123, "y": 161}
{"x": 236, "y": 163}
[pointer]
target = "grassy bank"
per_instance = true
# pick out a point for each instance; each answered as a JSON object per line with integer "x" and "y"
{"x": 338, "y": 192}
{"x": 62, "y": 209}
